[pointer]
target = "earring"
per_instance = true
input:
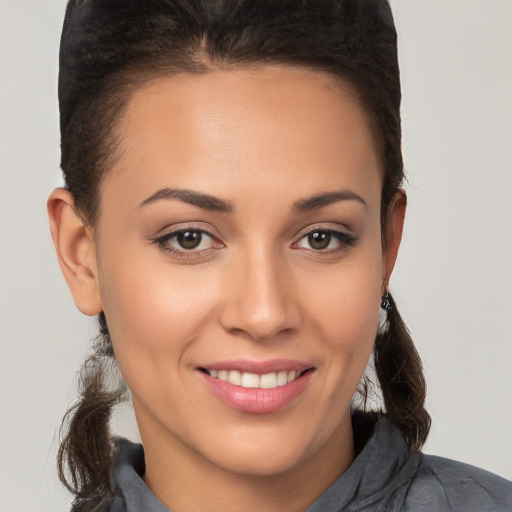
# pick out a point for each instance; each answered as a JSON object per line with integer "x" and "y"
{"x": 387, "y": 303}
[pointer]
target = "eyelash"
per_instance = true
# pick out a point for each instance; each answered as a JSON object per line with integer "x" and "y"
{"x": 345, "y": 240}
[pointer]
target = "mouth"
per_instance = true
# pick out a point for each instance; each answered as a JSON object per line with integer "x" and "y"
{"x": 252, "y": 386}
{"x": 269, "y": 380}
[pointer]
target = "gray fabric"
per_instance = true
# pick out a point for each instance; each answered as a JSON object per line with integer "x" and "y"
{"x": 383, "y": 477}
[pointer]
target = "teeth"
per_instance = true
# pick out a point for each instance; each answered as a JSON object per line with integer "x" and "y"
{"x": 282, "y": 378}
{"x": 268, "y": 381}
{"x": 235, "y": 378}
{"x": 252, "y": 380}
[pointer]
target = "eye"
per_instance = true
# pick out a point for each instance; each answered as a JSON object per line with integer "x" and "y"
{"x": 327, "y": 240}
{"x": 187, "y": 241}
{"x": 190, "y": 239}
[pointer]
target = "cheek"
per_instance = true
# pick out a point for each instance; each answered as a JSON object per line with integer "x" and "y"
{"x": 153, "y": 315}
{"x": 343, "y": 308}
{"x": 344, "y": 301}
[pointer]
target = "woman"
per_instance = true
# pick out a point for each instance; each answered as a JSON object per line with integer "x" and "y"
{"x": 232, "y": 214}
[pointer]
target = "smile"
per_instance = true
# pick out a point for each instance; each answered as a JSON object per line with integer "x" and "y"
{"x": 253, "y": 380}
{"x": 253, "y": 387}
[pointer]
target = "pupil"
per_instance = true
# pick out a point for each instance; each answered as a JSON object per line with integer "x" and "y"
{"x": 319, "y": 239}
{"x": 189, "y": 239}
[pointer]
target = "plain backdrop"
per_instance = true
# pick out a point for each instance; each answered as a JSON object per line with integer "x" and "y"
{"x": 453, "y": 280}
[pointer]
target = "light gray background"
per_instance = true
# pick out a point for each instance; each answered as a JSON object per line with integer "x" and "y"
{"x": 453, "y": 282}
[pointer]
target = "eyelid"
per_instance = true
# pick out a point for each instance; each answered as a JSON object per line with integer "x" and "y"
{"x": 326, "y": 226}
{"x": 184, "y": 226}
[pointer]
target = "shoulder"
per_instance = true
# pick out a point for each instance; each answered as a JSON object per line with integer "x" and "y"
{"x": 441, "y": 484}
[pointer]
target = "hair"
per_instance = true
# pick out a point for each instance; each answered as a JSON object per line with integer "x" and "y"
{"x": 109, "y": 48}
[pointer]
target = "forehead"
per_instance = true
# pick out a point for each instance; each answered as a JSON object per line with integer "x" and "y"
{"x": 276, "y": 125}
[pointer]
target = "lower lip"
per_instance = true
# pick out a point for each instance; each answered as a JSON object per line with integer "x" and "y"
{"x": 257, "y": 400}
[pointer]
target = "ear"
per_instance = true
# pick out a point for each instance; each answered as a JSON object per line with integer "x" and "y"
{"x": 76, "y": 251}
{"x": 393, "y": 234}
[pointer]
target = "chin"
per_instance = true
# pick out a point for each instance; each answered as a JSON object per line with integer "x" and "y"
{"x": 265, "y": 450}
{"x": 252, "y": 461}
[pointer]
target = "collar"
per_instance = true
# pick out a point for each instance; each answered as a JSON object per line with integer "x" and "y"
{"x": 372, "y": 477}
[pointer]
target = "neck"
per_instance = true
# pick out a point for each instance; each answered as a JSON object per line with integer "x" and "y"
{"x": 184, "y": 481}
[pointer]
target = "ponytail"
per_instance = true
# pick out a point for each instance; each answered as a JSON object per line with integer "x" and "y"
{"x": 400, "y": 372}
{"x": 85, "y": 454}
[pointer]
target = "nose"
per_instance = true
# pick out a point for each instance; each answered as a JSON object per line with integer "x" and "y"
{"x": 259, "y": 299}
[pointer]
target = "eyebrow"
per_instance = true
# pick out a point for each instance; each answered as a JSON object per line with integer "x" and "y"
{"x": 198, "y": 199}
{"x": 212, "y": 203}
{"x": 320, "y": 200}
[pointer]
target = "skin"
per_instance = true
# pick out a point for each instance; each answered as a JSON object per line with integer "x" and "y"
{"x": 262, "y": 140}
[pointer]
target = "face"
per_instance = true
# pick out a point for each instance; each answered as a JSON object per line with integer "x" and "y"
{"x": 239, "y": 263}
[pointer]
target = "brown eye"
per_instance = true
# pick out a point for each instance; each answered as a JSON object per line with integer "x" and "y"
{"x": 189, "y": 239}
{"x": 319, "y": 240}
{"x": 325, "y": 241}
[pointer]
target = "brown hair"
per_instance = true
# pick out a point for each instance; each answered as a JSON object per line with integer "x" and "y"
{"x": 110, "y": 47}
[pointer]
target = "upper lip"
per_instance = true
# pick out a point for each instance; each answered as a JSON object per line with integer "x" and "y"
{"x": 258, "y": 367}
